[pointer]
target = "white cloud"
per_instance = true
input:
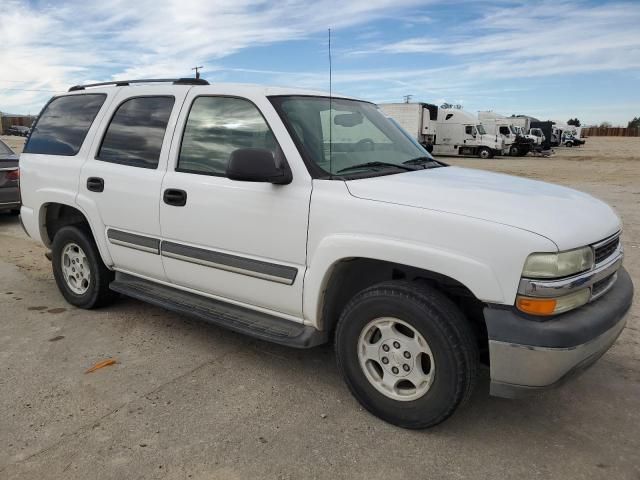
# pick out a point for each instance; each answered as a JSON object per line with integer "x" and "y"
{"x": 51, "y": 46}
{"x": 540, "y": 39}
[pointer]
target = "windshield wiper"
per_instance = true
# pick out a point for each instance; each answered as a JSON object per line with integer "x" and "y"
{"x": 376, "y": 164}
{"x": 424, "y": 161}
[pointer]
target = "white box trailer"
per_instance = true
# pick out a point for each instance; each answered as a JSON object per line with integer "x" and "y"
{"x": 445, "y": 131}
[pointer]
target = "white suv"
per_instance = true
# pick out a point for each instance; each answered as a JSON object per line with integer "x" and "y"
{"x": 300, "y": 218}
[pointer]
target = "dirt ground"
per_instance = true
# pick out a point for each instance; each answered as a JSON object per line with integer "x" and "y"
{"x": 190, "y": 401}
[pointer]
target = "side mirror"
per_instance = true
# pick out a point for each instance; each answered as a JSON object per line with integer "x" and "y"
{"x": 257, "y": 165}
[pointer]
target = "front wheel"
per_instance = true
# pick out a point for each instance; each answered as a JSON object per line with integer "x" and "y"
{"x": 407, "y": 353}
{"x": 81, "y": 276}
{"x": 568, "y": 144}
{"x": 514, "y": 151}
{"x": 485, "y": 153}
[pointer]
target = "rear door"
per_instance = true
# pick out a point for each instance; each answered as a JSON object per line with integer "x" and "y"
{"x": 120, "y": 181}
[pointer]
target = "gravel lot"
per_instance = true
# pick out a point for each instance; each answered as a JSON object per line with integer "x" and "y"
{"x": 188, "y": 400}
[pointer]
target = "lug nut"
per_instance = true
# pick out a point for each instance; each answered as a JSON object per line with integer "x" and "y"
{"x": 385, "y": 360}
{"x": 385, "y": 348}
{"x": 396, "y": 345}
{"x": 406, "y": 367}
{"x": 395, "y": 370}
{"x": 407, "y": 355}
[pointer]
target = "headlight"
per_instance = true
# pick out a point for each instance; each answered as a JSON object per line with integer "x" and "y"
{"x": 557, "y": 265}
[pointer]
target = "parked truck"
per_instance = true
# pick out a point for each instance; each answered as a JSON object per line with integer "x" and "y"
{"x": 517, "y": 143}
{"x": 522, "y": 124}
{"x": 445, "y": 130}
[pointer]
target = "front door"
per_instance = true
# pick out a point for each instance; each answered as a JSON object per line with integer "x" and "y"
{"x": 244, "y": 242}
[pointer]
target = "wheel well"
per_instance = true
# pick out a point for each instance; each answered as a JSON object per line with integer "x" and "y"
{"x": 58, "y": 215}
{"x": 350, "y": 276}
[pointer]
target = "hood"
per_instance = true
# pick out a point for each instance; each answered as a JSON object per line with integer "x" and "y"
{"x": 567, "y": 217}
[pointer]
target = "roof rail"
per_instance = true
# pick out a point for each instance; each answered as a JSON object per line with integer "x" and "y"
{"x": 124, "y": 83}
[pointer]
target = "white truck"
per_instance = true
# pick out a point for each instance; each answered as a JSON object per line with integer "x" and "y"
{"x": 445, "y": 131}
{"x": 516, "y": 142}
{"x": 523, "y": 127}
{"x": 567, "y": 135}
{"x": 299, "y": 218}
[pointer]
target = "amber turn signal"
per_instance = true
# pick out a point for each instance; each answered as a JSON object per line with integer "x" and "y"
{"x": 537, "y": 306}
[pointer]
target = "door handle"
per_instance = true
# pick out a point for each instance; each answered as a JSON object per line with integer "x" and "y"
{"x": 95, "y": 184}
{"x": 175, "y": 197}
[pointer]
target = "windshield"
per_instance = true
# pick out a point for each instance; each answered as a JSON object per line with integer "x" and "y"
{"x": 4, "y": 149}
{"x": 513, "y": 129}
{"x": 352, "y": 134}
{"x": 481, "y": 129}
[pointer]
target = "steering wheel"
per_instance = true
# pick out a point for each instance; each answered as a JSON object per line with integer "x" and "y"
{"x": 366, "y": 141}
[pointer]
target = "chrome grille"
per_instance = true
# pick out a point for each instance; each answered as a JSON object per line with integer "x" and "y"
{"x": 605, "y": 250}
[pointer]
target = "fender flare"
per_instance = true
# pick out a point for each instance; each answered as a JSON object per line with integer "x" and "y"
{"x": 475, "y": 275}
{"x": 99, "y": 239}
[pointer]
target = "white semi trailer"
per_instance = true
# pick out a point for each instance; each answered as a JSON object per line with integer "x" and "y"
{"x": 445, "y": 131}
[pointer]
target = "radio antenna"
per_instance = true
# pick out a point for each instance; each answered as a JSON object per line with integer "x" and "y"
{"x": 330, "y": 111}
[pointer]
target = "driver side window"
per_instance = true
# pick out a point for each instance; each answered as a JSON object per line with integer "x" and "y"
{"x": 215, "y": 128}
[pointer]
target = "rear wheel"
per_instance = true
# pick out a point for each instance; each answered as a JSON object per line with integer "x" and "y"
{"x": 485, "y": 153}
{"x": 81, "y": 276}
{"x": 407, "y": 353}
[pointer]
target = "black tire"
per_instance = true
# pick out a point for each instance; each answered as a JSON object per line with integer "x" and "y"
{"x": 514, "y": 151}
{"x": 98, "y": 293}
{"x": 447, "y": 332}
{"x": 485, "y": 153}
{"x": 568, "y": 144}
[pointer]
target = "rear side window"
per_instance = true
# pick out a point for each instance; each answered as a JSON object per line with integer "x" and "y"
{"x": 134, "y": 136}
{"x": 63, "y": 124}
{"x": 215, "y": 128}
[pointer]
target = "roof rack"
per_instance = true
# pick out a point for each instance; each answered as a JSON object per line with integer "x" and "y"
{"x": 124, "y": 83}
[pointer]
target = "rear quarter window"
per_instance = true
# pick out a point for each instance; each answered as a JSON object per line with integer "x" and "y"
{"x": 64, "y": 123}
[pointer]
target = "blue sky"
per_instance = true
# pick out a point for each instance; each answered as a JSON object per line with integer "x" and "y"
{"x": 550, "y": 59}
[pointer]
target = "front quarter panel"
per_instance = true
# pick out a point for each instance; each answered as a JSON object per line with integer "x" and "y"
{"x": 484, "y": 256}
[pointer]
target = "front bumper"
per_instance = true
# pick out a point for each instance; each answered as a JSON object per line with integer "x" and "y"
{"x": 528, "y": 355}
